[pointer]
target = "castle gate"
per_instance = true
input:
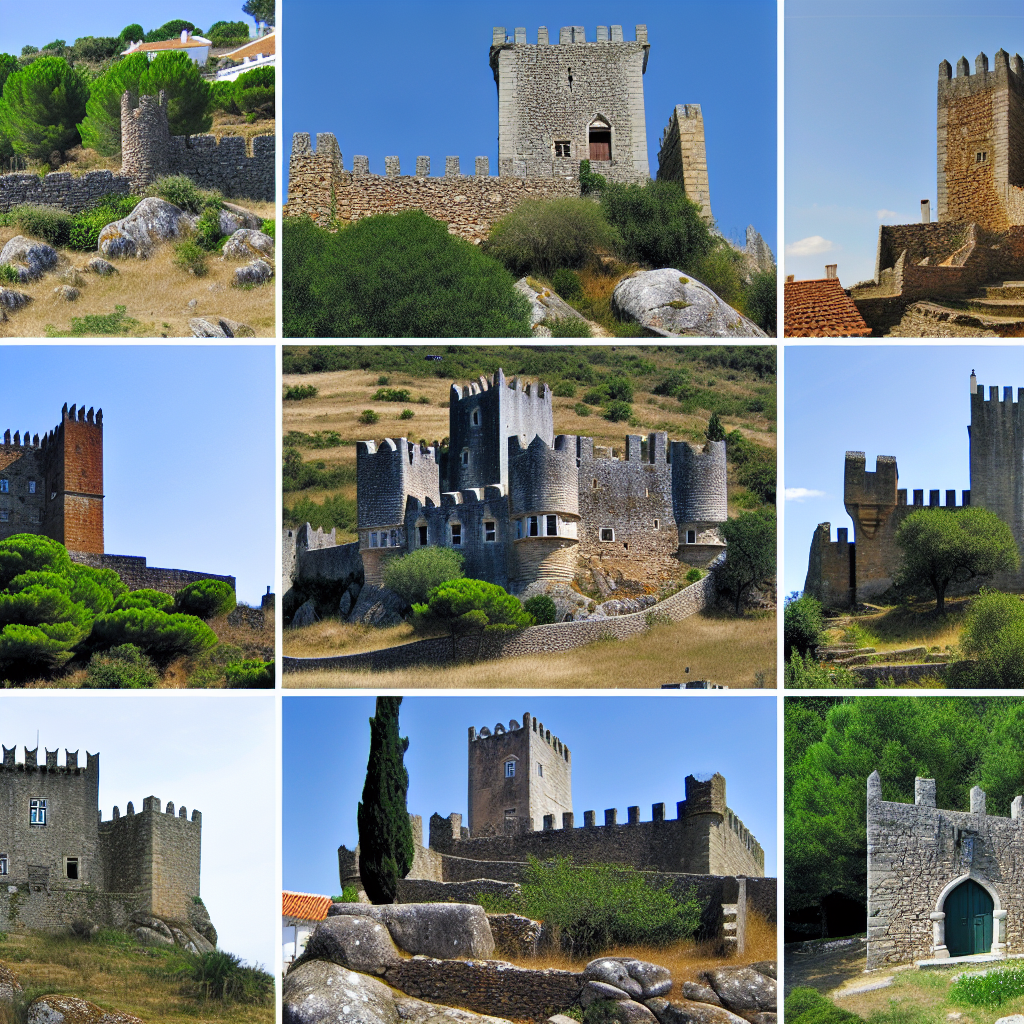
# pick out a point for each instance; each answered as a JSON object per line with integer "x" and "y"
{"x": 968, "y": 910}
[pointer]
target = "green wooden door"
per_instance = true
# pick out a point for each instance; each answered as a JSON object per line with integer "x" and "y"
{"x": 968, "y": 920}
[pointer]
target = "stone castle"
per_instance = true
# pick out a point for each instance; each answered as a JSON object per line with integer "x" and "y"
{"x": 977, "y": 242}
{"x": 523, "y": 505}
{"x": 942, "y": 884}
{"x": 53, "y": 486}
{"x": 559, "y": 102}
{"x": 843, "y": 573}
{"x": 63, "y": 866}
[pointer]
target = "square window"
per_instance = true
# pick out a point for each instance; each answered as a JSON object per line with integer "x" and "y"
{"x": 607, "y": 533}
{"x": 510, "y": 773}
{"x": 423, "y": 534}
{"x": 490, "y": 530}
{"x": 563, "y": 149}
{"x": 552, "y": 524}
{"x": 4, "y": 869}
{"x": 456, "y": 535}
{"x": 4, "y": 515}
{"x": 691, "y": 536}
{"x": 37, "y": 812}
{"x": 31, "y": 487}
{"x": 71, "y": 867}
{"x": 510, "y": 812}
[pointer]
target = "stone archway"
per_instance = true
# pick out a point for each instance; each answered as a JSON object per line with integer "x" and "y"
{"x": 940, "y": 950}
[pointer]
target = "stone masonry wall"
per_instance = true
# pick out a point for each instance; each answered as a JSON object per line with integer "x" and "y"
{"x": 320, "y": 188}
{"x": 57, "y": 909}
{"x": 22, "y": 503}
{"x": 682, "y": 157}
{"x": 138, "y": 576}
{"x": 918, "y": 853}
{"x": 60, "y": 189}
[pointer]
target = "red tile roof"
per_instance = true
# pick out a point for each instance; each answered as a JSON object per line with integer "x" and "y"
{"x": 192, "y": 43}
{"x": 305, "y": 905}
{"x": 821, "y": 309}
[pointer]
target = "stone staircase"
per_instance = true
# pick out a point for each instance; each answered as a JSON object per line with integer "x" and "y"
{"x": 730, "y": 928}
{"x": 995, "y": 310}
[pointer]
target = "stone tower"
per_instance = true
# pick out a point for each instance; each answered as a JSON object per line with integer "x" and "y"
{"x": 145, "y": 139}
{"x": 683, "y": 157}
{"x": 980, "y": 142}
{"x": 54, "y": 486}
{"x": 571, "y": 100}
{"x": 520, "y": 779}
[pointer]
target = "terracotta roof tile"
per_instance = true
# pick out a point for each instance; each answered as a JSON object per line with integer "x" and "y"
{"x": 821, "y": 309}
{"x": 267, "y": 44}
{"x": 192, "y": 43}
{"x": 305, "y": 905}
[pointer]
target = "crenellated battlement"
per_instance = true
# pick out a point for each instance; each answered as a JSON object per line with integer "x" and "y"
{"x": 529, "y": 723}
{"x": 924, "y": 797}
{"x": 574, "y": 35}
{"x": 50, "y": 767}
{"x": 994, "y": 398}
{"x": 74, "y": 415}
{"x": 151, "y": 806}
{"x": 966, "y": 83}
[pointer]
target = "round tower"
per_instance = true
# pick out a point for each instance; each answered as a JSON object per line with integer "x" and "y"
{"x": 145, "y": 139}
{"x": 700, "y": 499}
{"x": 544, "y": 508}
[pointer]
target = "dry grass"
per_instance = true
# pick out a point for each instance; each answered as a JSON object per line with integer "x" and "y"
{"x": 724, "y": 649}
{"x": 910, "y": 625}
{"x": 133, "y": 980}
{"x": 154, "y": 291}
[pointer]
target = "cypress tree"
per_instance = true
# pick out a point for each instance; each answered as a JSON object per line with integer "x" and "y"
{"x": 715, "y": 430}
{"x": 385, "y": 834}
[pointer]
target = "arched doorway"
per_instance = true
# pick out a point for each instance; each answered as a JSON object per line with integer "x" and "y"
{"x": 968, "y": 911}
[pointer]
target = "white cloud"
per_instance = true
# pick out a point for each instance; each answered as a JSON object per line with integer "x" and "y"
{"x": 799, "y": 493}
{"x": 809, "y": 246}
{"x": 892, "y": 215}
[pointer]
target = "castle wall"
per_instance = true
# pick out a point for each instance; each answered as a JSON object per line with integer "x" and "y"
{"x": 23, "y": 504}
{"x": 58, "y": 188}
{"x": 37, "y": 852}
{"x": 551, "y": 93}
{"x": 58, "y": 909}
{"x": 917, "y": 853}
{"x": 320, "y": 188}
{"x": 388, "y": 474}
{"x": 682, "y": 157}
{"x": 136, "y": 575}
{"x": 830, "y": 568}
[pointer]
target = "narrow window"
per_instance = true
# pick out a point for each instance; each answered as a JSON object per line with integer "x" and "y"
{"x": 37, "y": 812}
{"x": 534, "y": 526}
{"x": 552, "y": 526}
{"x": 540, "y": 769}
{"x": 456, "y": 535}
{"x": 657, "y": 524}
{"x": 3, "y": 515}
{"x": 476, "y": 417}
{"x": 31, "y": 487}
{"x": 4, "y": 486}
{"x": 490, "y": 530}
{"x": 510, "y": 812}
{"x": 691, "y": 536}
{"x": 607, "y": 533}
{"x": 394, "y": 539}
{"x": 465, "y": 456}
{"x": 373, "y": 540}
{"x": 595, "y": 485}
{"x": 3, "y": 864}
{"x": 71, "y": 867}
{"x": 423, "y": 535}
{"x": 510, "y": 772}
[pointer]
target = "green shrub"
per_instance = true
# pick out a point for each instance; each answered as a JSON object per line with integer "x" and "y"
{"x": 122, "y": 668}
{"x": 406, "y": 414}
{"x": 991, "y": 989}
{"x": 760, "y": 299}
{"x": 423, "y": 400}
{"x": 318, "y": 439}
{"x": 803, "y": 625}
{"x": 254, "y": 91}
{"x": 392, "y": 395}
{"x": 808, "y": 1006}
{"x": 719, "y": 269}
{"x": 268, "y": 228}
{"x": 395, "y": 276}
{"x": 349, "y": 894}
{"x": 540, "y": 235}
{"x": 208, "y": 232}
{"x": 581, "y": 409}
{"x": 618, "y": 412}
{"x": 335, "y": 511}
{"x": 180, "y": 190}
{"x": 8, "y": 274}
{"x": 145, "y": 599}
{"x": 106, "y": 325}
{"x": 568, "y": 327}
{"x": 253, "y": 674}
{"x": 414, "y": 575}
{"x": 222, "y": 977}
{"x": 41, "y": 106}
{"x": 993, "y": 634}
{"x": 693, "y": 575}
{"x": 564, "y": 389}
{"x": 48, "y": 223}
{"x": 590, "y": 182}
{"x": 206, "y": 599}
{"x": 368, "y": 416}
{"x": 190, "y": 256}
{"x": 163, "y": 637}
{"x": 567, "y": 283}
{"x": 297, "y": 392}
{"x": 541, "y": 607}
{"x": 87, "y": 225}
{"x": 383, "y": 380}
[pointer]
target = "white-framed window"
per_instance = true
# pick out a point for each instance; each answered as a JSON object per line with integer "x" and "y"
{"x": 422, "y": 530}
{"x": 657, "y": 524}
{"x": 456, "y": 535}
{"x": 464, "y": 458}
{"x": 5, "y": 486}
{"x": 71, "y": 868}
{"x": 607, "y": 533}
{"x": 4, "y": 864}
{"x": 563, "y": 149}
{"x": 37, "y": 812}
{"x": 373, "y": 538}
{"x": 31, "y": 487}
{"x": 393, "y": 539}
{"x": 510, "y": 773}
{"x": 490, "y": 531}
{"x": 981, "y": 157}
{"x": 552, "y": 526}
{"x": 691, "y": 536}
{"x": 533, "y": 526}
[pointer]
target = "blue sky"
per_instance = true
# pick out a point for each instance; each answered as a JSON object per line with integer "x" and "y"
{"x": 411, "y": 78}
{"x": 188, "y": 446}
{"x": 908, "y": 401}
{"x": 860, "y": 113}
{"x": 37, "y": 24}
{"x": 211, "y": 751}
{"x": 625, "y": 751}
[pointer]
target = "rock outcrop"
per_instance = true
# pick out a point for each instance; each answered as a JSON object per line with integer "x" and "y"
{"x": 151, "y": 222}
{"x": 30, "y": 259}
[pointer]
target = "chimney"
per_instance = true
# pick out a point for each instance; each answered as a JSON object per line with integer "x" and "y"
{"x": 790, "y": 278}
{"x": 974, "y": 383}
{"x": 184, "y": 36}
{"x": 830, "y": 271}
{"x": 926, "y": 211}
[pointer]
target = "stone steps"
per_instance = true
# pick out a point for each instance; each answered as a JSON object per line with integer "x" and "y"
{"x": 1004, "y": 306}
{"x": 730, "y": 925}
{"x": 946, "y": 322}
{"x": 1006, "y": 290}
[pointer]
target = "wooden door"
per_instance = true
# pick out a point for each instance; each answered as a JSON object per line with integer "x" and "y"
{"x": 968, "y": 920}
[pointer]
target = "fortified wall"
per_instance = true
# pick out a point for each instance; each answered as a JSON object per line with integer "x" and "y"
{"x": 683, "y": 159}
{"x": 62, "y": 863}
{"x": 942, "y": 883}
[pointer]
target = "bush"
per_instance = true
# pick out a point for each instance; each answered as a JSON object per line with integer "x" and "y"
{"x": 803, "y": 625}
{"x": 541, "y": 607}
{"x": 395, "y": 276}
{"x": 207, "y": 229}
{"x": 657, "y": 224}
{"x": 993, "y": 988}
{"x": 808, "y": 1006}
{"x": 180, "y": 190}
{"x": 719, "y": 269}
{"x": 369, "y": 417}
{"x": 169, "y": 30}
{"x": 48, "y": 223}
{"x": 87, "y": 225}
{"x": 590, "y": 182}
{"x": 41, "y": 107}
{"x": 750, "y": 552}
{"x": 694, "y": 575}
{"x": 253, "y": 674}
{"x": 96, "y": 48}
{"x": 217, "y": 975}
{"x": 205, "y": 599}
{"x": 581, "y": 409}
{"x": 145, "y": 599}
{"x": 618, "y": 412}
{"x": 163, "y": 637}
{"x": 392, "y": 395}
{"x": 568, "y": 327}
{"x": 567, "y": 283}
{"x": 122, "y": 668}
{"x": 542, "y": 235}
{"x": 297, "y": 392}
{"x": 406, "y": 414}
{"x": 564, "y": 389}
{"x": 760, "y": 299}
{"x": 414, "y": 575}
{"x": 993, "y": 634}
{"x": 190, "y": 256}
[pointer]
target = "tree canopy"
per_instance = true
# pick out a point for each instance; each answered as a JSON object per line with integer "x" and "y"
{"x": 749, "y": 553}
{"x": 414, "y": 575}
{"x": 260, "y": 10}
{"x": 942, "y": 547}
{"x": 41, "y": 106}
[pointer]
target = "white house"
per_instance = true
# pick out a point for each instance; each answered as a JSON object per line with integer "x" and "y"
{"x": 196, "y": 47}
{"x": 257, "y": 53}
{"x": 301, "y": 912}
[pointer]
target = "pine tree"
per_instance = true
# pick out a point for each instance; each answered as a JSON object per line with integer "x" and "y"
{"x": 385, "y": 835}
{"x": 715, "y": 430}
{"x": 41, "y": 106}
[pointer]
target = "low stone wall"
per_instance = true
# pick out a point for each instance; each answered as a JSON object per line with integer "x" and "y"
{"x": 487, "y": 986}
{"x": 56, "y": 909}
{"x": 226, "y": 165}
{"x": 134, "y": 572}
{"x": 872, "y": 675}
{"x": 546, "y": 639}
{"x": 60, "y": 189}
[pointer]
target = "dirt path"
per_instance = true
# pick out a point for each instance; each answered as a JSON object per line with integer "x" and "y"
{"x": 824, "y": 970}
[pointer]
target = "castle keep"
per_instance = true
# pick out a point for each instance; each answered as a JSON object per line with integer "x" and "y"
{"x": 53, "y": 487}
{"x": 523, "y": 505}
{"x": 842, "y": 573}
{"x": 942, "y": 884}
{"x": 61, "y": 863}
